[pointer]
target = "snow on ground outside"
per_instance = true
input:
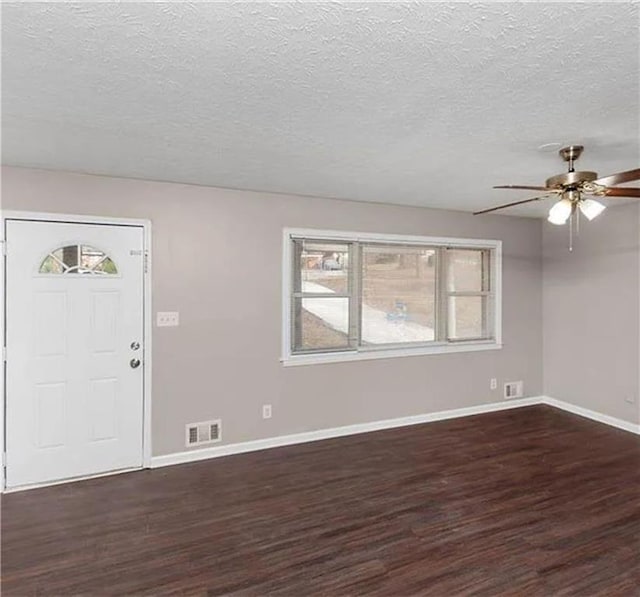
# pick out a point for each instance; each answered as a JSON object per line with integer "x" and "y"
{"x": 376, "y": 328}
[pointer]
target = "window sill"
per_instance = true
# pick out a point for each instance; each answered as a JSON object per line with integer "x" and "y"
{"x": 367, "y": 355}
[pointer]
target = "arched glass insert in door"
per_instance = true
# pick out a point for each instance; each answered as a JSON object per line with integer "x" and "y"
{"x": 78, "y": 259}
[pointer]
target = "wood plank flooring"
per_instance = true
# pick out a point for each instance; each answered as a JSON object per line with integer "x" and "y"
{"x": 532, "y": 501}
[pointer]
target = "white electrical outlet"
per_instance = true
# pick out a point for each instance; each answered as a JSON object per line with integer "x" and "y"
{"x": 266, "y": 411}
{"x": 167, "y": 319}
{"x": 494, "y": 383}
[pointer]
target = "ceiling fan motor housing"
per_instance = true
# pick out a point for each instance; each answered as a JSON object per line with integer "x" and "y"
{"x": 570, "y": 178}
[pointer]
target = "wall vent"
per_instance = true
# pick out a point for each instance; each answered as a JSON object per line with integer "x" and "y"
{"x": 205, "y": 432}
{"x": 513, "y": 389}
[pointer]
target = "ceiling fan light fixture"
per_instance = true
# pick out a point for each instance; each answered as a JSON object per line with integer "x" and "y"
{"x": 591, "y": 208}
{"x": 571, "y": 187}
{"x": 560, "y": 212}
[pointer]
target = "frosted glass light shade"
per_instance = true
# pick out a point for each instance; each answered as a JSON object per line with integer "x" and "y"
{"x": 591, "y": 208}
{"x": 560, "y": 212}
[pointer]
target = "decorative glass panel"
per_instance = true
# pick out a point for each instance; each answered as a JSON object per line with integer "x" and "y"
{"x": 51, "y": 265}
{"x": 106, "y": 266}
{"x": 90, "y": 257}
{"x": 68, "y": 256}
{"x": 398, "y": 294}
{"x": 78, "y": 259}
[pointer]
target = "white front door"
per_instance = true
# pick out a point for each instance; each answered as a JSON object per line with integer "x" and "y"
{"x": 74, "y": 388}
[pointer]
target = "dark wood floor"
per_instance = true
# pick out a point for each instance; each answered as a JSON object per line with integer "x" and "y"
{"x": 526, "y": 502}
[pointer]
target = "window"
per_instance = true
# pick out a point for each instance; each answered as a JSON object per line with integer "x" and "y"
{"x": 468, "y": 294}
{"x": 398, "y": 293}
{"x": 78, "y": 259}
{"x": 357, "y": 296}
{"x": 322, "y": 296}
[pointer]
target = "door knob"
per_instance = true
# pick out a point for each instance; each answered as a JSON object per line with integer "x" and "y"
{"x": 135, "y": 363}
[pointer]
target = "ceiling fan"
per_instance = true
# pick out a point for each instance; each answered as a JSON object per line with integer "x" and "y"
{"x": 575, "y": 189}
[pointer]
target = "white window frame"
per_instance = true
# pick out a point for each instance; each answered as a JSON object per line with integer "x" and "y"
{"x": 355, "y": 354}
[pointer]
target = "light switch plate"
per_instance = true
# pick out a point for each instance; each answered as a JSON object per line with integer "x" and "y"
{"x": 167, "y": 319}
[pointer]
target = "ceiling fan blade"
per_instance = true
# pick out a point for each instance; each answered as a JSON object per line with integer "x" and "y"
{"x": 528, "y": 188}
{"x": 619, "y": 178}
{"x": 486, "y": 211}
{"x": 622, "y": 192}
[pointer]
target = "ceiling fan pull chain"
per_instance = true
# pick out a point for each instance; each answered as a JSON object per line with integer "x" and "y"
{"x": 571, "y": 233}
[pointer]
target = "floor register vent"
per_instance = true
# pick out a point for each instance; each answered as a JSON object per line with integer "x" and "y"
{"x": 206, "y": 432}
{"x": 513, "y": 389}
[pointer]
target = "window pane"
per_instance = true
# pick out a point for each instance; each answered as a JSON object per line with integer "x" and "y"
{"x": 321, "y": 323}
{"x": 398, "y": 294}
{"x": 67, "y": 255}
{"x": 51, "y": 266}
{"x": 322, "y": 267}
{"x": 466, "y": 317}
{"x": 106, "y": 266}
{"x": 467, "y": 270}
{"x": 90, "y": 257}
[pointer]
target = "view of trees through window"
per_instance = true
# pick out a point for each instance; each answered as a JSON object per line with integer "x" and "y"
{"x": 398, "y": 294}
{"x": 374, "y": 294}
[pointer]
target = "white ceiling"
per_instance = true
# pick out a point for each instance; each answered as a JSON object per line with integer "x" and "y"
{"x": 421, "y": 104}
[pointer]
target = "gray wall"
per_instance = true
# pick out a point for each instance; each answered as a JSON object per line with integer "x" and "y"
{"x": 592, "y": 313}
{"x": 217, "y": 259}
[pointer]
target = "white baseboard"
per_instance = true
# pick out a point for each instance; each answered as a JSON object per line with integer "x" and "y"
{"x": 311, "y": 436}
{"x": 299, "y": 438}
{"x": 591, "y": 414}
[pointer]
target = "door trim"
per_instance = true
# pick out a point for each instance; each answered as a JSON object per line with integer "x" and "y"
{"x": 147, "y": 319}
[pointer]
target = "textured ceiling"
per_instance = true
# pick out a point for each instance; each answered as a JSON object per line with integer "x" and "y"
{"x": 412, "y": 103}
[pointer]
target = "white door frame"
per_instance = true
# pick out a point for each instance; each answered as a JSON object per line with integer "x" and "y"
{"x": 147, "y": 319}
